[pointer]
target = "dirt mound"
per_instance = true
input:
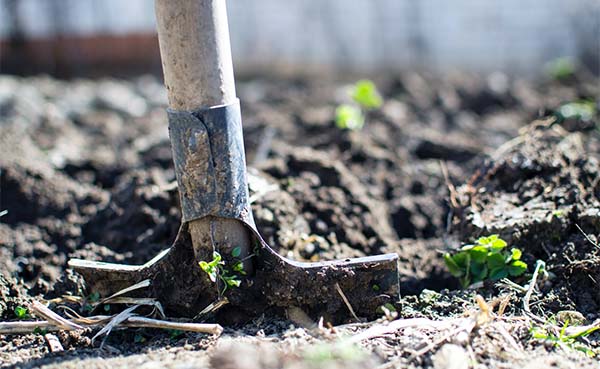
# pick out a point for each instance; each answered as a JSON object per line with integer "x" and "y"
{"x": 541, "y": 193}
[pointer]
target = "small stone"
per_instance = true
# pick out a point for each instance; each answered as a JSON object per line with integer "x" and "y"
{"x": 451, "y": 356}
{"x": 570, "y": 317}
{"x": 462, "y": 338}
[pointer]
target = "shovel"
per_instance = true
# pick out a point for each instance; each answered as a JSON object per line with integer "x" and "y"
{"x": 218, "y": 255}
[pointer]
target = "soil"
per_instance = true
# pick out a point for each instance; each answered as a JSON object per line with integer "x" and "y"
{"x": 86, "y": 172}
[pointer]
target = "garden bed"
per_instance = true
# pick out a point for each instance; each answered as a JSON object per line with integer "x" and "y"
{"x": 86, "y": 172}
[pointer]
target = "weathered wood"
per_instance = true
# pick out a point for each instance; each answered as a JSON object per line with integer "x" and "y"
{"x": 198, "y": 71}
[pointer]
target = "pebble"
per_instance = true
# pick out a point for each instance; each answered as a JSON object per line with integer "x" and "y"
{"x": 451, "y": 356}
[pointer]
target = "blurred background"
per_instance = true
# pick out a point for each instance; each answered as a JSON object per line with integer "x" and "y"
{"x": 86, "y": 37}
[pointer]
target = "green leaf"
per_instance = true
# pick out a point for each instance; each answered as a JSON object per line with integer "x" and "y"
{"x": 238, "y": 267}
{"x": 516, "y": 268}
{"x": 216, "y": 257}
{"x": 209, "y": 269}
{"x": 515, "y": 254}
{"x": 236, "y": 252}
{"x": 175, "y": 333}
{"x": 139, "y": 338}
{"x": 495, "y": 260}
{"x": 204, "y": 266}
{"x": 234, "y": 283}
{"x": 583, "y": 110}
{"x": 478, "y": 254}
{"x": 21, "y": 312}
{"x": 453, "y": 267}
{"x": 561, "y": 68}
{"x": 539, "y": 333}
{"x": 366, "y": 95}
{"x": 94, "y": 297}
{"x": 41, "y": 331}
{"x": 349, "y": 117}
{"x": 462, "y": 259}
{"x": 498, "y": 273}
{"x": 497, "y": 244}
{"x": 483, "y": 241}
{"x": 465, "y": 281}
{"x": 479, "y": 271}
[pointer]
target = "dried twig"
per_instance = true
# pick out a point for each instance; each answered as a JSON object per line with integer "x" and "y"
{"x": 504, "y": 304}
{"x": 451, "y": 188}
{"x": 143, "y": 284}
{"x": 42, "y": 311}
{"x": 116, "y": 320}
{"x": 211, "y": 308}
{"x": 138, "y": 301}
{"x": 124, "y": 319}
{"x": 26, "y": 327}
{"x": 142, "y": 322}
{"x": 381, "y": 330}
{"x": 582, "y": 329}
{"x": 343, "y": 296}
{"x": 587, "y": 237}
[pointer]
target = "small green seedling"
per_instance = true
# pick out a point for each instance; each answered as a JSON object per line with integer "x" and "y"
{"x": 139, "y": 338}
{"x": 564, "y": 340}
{"x": 583, "y": 110}
{"x": 365, "y": 94}
{"x": 21, "y": 312}
{"x": 175, "y": 333}
{"x": 212, "y": 267}
{"x": 92, "y": 299}
{"x": 216, "y": 270}
{"x": 325, "y": 354}
{"x": 349, "y": 117}
{"x": 561, "y": 68}
{"x": 486, "y": 259}
{"x": 40, "y": 331}
{"x": 364, "y": 97}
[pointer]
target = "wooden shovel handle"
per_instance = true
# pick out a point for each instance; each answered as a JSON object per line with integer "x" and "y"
{"x": 198, "y": 70}
{"x": 195, "y": 51}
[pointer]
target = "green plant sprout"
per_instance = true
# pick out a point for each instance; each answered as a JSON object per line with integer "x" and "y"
{"x": 486, "y": 259}
{"x": 139, "y": 338}
{"x": 324, "y": 354}
{"x": 40, "y": 331}
{"x": 21, "y": 312}
{"x": 364, "y": 97}
{"x": 216, "y": 269}
{"x": 582, "y": 110}
{"x": 564, "y": 340}
{"x": 349, "y": 117}
{"x": 365, "y": 94}
{"x": 561, "y": 68}
{"x": 92, "y": 299}
{"x": 175, "y": 333}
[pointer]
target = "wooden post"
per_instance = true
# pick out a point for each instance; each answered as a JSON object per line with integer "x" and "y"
{"x": 198, "y": 71}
